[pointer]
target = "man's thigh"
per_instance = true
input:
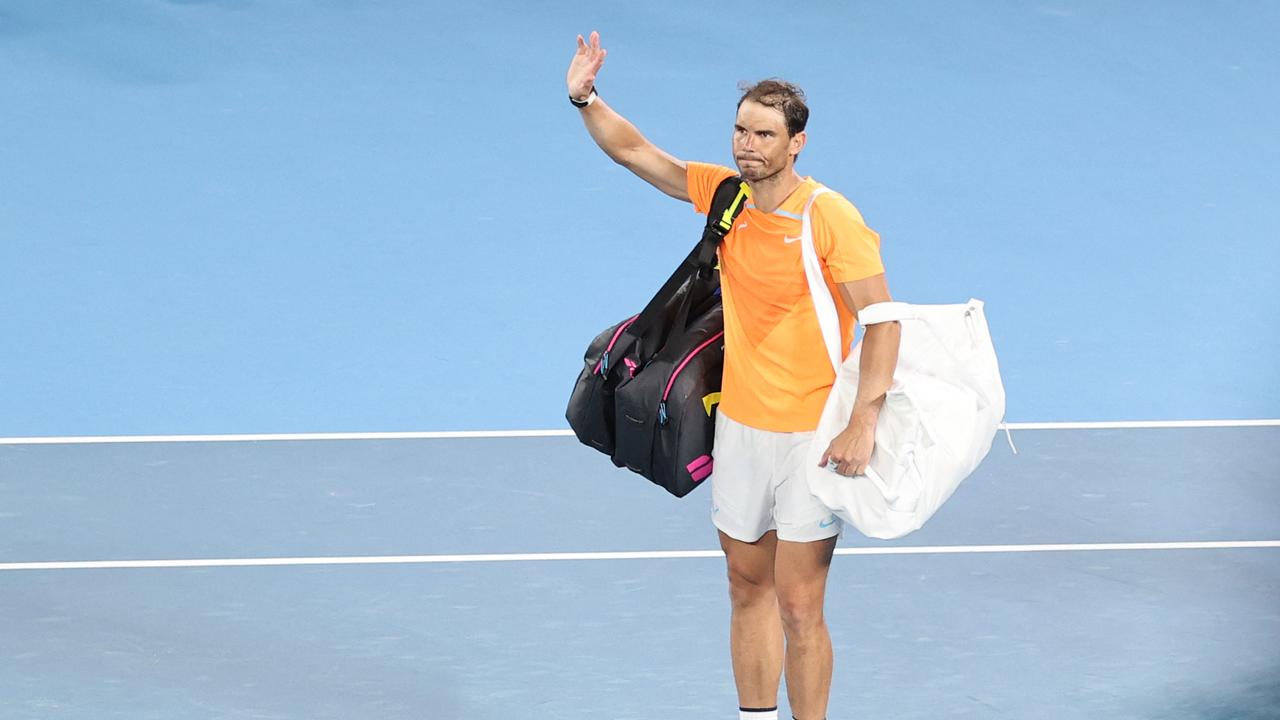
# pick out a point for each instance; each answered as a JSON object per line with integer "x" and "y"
{"x": 751, "y": 563}
{"x": 800, "y": 572}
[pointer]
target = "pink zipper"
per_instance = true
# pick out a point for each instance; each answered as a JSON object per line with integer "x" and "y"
{"x": 617, "y": 334}
{"x": 686, "y": 360}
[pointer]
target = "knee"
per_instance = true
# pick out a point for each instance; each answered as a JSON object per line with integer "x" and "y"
{"x": 749, "y": 586}
{"x": 801, "y": 612}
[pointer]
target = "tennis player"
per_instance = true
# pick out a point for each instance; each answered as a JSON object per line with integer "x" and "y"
{"x": 778, "y": 539}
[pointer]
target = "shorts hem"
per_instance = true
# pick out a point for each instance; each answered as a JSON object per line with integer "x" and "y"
{"x": 736, "y": 535}
{"x": 836, "y": 530}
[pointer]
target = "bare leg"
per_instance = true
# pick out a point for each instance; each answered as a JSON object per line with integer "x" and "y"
{"x": 801, "y": 578}
{"x": 755, "y": 631}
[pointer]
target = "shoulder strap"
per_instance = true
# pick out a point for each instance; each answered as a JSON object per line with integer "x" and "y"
{"x": 726, "y": 204}
{"x": 823, "y": 304}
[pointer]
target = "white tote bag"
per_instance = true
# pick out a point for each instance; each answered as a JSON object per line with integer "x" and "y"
{"x": 939, "y": 417}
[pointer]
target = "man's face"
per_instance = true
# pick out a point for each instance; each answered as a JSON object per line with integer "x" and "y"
{"x": 761, "y": 146}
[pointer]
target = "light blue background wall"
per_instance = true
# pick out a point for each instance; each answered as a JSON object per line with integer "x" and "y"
{"x": 340, "y": 216}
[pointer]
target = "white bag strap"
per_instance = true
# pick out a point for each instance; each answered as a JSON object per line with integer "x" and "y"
{"x": 823, "y": 304}
{"x": 885, "y": 312}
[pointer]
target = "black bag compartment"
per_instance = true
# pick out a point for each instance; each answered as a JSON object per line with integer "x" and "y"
{"x": 668, "y": 409}
{"x": 591, "y": 404}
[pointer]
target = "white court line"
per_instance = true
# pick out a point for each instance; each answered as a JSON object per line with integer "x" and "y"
{"x": 1142, "y": 424}
{"x": 436, "y": 435}
{"x": 447, "y": 435}
{"x": 650, "y": 555}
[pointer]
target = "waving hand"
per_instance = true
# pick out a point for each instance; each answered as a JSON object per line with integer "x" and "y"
{"x": 585, "y": 65}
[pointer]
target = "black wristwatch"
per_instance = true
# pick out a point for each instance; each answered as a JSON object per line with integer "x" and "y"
{"x": 591, "y": 97}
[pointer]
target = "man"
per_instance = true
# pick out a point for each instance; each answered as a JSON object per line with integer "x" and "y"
{"x": 777, "y": 537}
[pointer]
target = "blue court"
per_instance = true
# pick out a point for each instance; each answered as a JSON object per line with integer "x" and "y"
{"x": 256, "y": 218}
{"x": 946, "y": 630}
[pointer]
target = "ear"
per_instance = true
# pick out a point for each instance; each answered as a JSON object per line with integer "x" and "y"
{"x": 797, "y": 143}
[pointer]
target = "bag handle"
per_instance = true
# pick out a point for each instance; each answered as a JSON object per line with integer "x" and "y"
{"x": 884, "y": 312}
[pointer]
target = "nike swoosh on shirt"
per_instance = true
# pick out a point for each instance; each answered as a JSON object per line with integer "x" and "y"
{"x": 789, "y": 240}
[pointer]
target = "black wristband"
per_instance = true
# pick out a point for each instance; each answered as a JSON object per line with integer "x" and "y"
{"x": 591, "y": 97}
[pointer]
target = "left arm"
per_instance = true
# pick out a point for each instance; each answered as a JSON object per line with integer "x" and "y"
{"x": 851, "y": 449}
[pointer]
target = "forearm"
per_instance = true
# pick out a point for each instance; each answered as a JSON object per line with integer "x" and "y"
{"x": 875, "y": 371}
{"x": 615, "y": 135}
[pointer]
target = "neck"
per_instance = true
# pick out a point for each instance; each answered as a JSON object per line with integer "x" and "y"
{"x": 769, "y": 193}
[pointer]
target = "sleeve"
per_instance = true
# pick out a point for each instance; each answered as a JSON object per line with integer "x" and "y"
{"x": 703, "y": 179}
{"x": 849, "y": 249}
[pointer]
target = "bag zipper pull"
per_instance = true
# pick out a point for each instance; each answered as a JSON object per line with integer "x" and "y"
{"x": 970, "y": 324}
{"x": 604, "y": 362}
{"x": 662, "y": 413}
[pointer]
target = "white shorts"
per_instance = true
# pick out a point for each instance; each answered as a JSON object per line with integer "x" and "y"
{"x": 758, "y": 485}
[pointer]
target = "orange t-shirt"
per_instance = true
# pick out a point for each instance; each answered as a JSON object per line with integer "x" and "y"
{"x": 776, "y": 371}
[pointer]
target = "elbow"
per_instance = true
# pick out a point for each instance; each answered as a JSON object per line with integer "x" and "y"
{"x": 626, "y": 157}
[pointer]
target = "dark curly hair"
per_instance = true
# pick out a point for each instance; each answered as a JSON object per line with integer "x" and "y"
{"x": 781, "y": 96}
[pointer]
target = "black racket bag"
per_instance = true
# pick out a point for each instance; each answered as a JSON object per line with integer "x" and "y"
{"x": 648, "y": 393}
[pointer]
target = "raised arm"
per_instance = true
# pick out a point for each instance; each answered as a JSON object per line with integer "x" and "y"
{"x": 617, "y": 137}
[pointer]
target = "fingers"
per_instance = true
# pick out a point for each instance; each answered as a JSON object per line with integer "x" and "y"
{"x": 850, "y": 452}
{"x": 591, "y": 49}
{"x": 592, "y": 43}
{"x": 843, "y": 464}
{"x": 850, "y": 468}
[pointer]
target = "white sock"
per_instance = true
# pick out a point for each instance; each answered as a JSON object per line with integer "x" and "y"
{"x": 758, "y": 713}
